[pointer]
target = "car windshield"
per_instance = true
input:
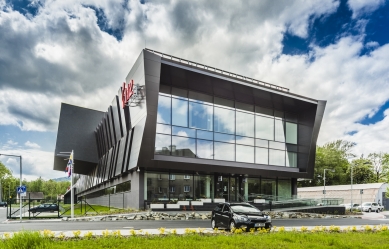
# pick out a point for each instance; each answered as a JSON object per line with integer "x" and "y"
{"x": 244, "y": 209}
{"x": 366, "y": 204}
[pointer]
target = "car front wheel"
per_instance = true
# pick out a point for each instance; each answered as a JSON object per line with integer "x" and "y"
{"x": 232, "y": 225}
{"x": 213, "y": 224}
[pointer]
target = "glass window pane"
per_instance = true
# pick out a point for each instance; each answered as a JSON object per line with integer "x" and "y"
{"x": 224, "y": 138}
{"x": 264, "y": 111}
{"x": 184, "y": 132}
{"x": 205, "y": 149}
{"x": 203, "y": 186}
{"x": 223, "y": 102}
{"x": 157, "y": 186}
{"x": 261, "y": 143}
{"x": 180, "y": 112}
{"x": 261, "y": 156}
{"x": 278, "y": 114}
{"x": 200, "y": 116}
{"x": 243, "y": 106}
{"x": 245, "y": 140}
{"x": 291, "y": 133}
{"x": 224, "y": 151}
{"x": 166, "y": 129}
{"x": 162, "y": 144}
{"x": 200, "y": 97}
{"x": 164, "y": 89}
{"x": 276, "y": 145}
{"x": 284, "y": 188}
{"x": 264, "y": 128}
{"x": 205, "y": 135}
{"x": 244, "y": 154}
{"x": 277, "y": 157}
{"x": 279, "y": 130}
{"x": 268, "y": 187}
{"x": 182, "y": 146}
{"x": 291, "y": 117}
{"x": 244, "y": 124}
{"x": 179, "y": 92}
{"x": 291, "y": 160}
{"x": 164, "y": 109}
{"x": 224, "y": 120}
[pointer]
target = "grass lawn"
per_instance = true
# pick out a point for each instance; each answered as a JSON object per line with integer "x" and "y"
{"x": 97, "y": 209}
{"x": 292, "y": 240}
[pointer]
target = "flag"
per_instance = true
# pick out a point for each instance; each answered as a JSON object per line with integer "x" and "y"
{"x": 69, "y": 166}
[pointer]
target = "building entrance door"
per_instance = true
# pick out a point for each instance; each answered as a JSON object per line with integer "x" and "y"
{"x": 227, "y": 188}
{"x": 233, "y": 189}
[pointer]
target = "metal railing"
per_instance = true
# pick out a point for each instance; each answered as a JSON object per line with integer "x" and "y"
{"x": 219, "y": 71}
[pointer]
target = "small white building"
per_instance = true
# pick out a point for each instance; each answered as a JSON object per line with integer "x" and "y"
{"x": 338, "y": 194}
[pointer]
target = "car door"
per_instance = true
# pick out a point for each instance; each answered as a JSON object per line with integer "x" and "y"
{"x": 217, "y": 214}
{"x": 225, "y": 216}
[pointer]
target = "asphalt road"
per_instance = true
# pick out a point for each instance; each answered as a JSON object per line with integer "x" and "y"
{"x": 116, "y": 225}
{"x": 368, "y": 219}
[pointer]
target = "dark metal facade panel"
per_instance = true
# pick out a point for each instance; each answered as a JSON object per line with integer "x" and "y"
{"x": 316, "y": 128}
{"x": 136, "y": 143}
{"x": 182, "y": 164}
{"x": 111, "y": 129}
{"x": 115, "y": 117}
{"x": 127, "y": 151}
{"x": 76, "y": 132}
{"x": 119, "y": 160}
{"x": 122, "y": 118}
{"x": 112, "y": 126}
{"x": 105, "y": 133}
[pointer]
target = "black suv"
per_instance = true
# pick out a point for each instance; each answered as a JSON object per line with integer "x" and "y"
{"x": 3, "y": 204}
{"x": 239, "y": 215}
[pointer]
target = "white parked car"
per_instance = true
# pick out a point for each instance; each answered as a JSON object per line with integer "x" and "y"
{"x": 371, "y": 207}
{"x": 348, "y": 206}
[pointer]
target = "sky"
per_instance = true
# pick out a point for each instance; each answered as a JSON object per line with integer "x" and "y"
{"x": 79, "y": 52}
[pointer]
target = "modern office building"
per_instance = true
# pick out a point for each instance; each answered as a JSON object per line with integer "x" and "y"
{"x": 180, "y": 130}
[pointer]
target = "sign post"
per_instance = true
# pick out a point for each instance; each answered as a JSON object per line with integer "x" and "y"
{"x": 22, "y": 192}
{"x": 71, "y": 187}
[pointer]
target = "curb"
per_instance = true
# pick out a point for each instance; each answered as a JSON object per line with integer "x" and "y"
{"x": 181, "y": 231}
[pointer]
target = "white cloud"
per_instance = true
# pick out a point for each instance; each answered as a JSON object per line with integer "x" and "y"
{"x": 364, "y": 6}
{"x": 11, "y": 143}
{"x": 61, "y": 55}
{"x": 35, "y": 163}
{"x": 32, "y": 145}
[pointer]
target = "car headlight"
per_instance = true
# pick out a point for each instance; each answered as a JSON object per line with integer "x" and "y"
{"x": 268, "y": 218}
{"x": 240, "y": 218}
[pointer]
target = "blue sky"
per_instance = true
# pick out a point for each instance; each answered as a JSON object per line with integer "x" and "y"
{"x": 79, "y": 52}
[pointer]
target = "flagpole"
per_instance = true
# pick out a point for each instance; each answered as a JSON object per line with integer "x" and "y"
{"x": 71, "y": 187}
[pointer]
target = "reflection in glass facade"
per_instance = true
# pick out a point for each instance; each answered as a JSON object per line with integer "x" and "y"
{"x": 163, "y": 187}
{"x": 193, "y": 128}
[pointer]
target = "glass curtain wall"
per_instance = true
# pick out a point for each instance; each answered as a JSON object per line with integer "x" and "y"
{"x": 284, "y": 188}
{"x": 191, "y": 124}
{"x": 203, "y": 187}
{"x": 162, "y": 186}
{"x": 157, "y": 186}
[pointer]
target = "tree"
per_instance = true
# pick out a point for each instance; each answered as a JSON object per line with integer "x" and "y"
{"x": 362, "y": 171}
{"x": 377, "y": 161}
{"x": 385, "y": 168}
{"x": 332, "y": 156}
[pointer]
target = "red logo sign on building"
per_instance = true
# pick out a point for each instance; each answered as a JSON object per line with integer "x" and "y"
{"x": 127, "y": 92}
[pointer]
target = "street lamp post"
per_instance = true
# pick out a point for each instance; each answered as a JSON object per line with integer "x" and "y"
{"x": 324, "y": 182}
{"x": 20, "y": 160}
